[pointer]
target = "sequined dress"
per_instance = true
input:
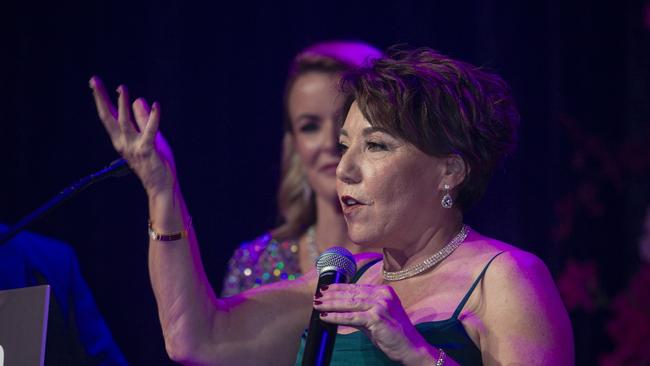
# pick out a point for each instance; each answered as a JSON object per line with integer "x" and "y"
{"x": 261, "y": 261}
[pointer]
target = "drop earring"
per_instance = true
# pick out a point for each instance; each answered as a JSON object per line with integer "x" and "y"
{"x": 447, "y": 201}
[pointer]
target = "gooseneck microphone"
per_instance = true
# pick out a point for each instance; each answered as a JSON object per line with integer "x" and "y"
{"x": 117, "y": 168}
{"x": 335, "y": 265}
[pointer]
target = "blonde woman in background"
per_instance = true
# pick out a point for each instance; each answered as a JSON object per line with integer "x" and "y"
{"x": 308, "y": 204}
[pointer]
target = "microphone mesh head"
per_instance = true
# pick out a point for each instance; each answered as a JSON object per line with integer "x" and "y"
{"x": 337, "y": 259}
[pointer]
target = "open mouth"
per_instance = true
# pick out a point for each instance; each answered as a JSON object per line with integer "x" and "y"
{"x": 349, "y": 201}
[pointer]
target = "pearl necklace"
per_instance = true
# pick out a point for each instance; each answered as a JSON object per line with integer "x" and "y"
{"x": 443, "y": 253}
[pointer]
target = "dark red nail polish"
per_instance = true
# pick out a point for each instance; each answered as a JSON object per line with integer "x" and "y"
{"x": 323, "y": 314}
{"x": 318, "y": 295}
{"x": 323, "y": 288}
{"x": 316, "y": 302}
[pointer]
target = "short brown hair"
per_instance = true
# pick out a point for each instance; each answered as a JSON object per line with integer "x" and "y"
{"x": 442, "y": 106}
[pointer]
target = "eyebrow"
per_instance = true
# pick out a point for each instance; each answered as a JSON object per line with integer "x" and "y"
{"x": 307, "y": 116}
{"x": 366, "y": 131}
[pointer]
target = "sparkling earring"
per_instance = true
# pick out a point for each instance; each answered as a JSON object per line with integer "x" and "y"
{"x": 447, "y": 201}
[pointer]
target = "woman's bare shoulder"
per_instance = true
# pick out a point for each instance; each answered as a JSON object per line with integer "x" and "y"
{"x": 513, "y": 271}
{"x": 508, "y": 259}
{"x": 521, "y": 308}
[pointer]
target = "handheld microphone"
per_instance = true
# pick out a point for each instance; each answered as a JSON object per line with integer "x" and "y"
{"x": 335, "y": 265}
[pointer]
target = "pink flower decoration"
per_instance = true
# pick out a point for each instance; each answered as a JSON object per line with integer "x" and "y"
{"x": 578, "y": 285}
{"x": 629, "y": 327}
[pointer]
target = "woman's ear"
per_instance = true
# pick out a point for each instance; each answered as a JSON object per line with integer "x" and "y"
{"x": 456, "y": 170}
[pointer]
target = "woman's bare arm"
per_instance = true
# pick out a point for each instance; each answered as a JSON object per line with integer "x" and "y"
{"x": 525, "y": 322}
{"x": 257, "y": 327}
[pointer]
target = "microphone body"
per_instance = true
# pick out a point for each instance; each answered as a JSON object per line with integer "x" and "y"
{"x": 335, "y": 265}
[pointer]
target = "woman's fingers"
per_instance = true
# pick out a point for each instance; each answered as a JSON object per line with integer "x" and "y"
{"x": 124, "y": 119}
{"x": 345, "y": 298}
{"x": 133, "y": 128}
{"x": 352, "y": 319}
{"x": 141, "y": 113}
{"x": 105, "y": 109}
{"x": 374, "y": 309}
{"x": 354, "y": 304}
{"x": 134, "y": 133}
{"x": 151, "y": 127}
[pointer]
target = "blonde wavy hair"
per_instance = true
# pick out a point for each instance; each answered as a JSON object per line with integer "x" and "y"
{"x": 296, "y": 200}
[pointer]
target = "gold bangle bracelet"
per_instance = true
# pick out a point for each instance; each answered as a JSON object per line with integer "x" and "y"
{"x": 169, "y": 237}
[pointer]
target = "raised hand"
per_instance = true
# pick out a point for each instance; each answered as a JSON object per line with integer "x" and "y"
{"x": 139, "y": 141}
{"x": 378, "y": 312}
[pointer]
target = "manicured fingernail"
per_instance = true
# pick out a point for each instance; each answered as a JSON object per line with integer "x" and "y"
{"x": 323, "y": 314}
{"x": 316, "y": 302}
{"x": 318, "y": 295}
{"x": 323, "y": 288}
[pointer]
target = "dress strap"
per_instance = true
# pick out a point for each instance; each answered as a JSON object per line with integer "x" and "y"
{"x": 363, "y": 269}
{"x": 460, "y": 306}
